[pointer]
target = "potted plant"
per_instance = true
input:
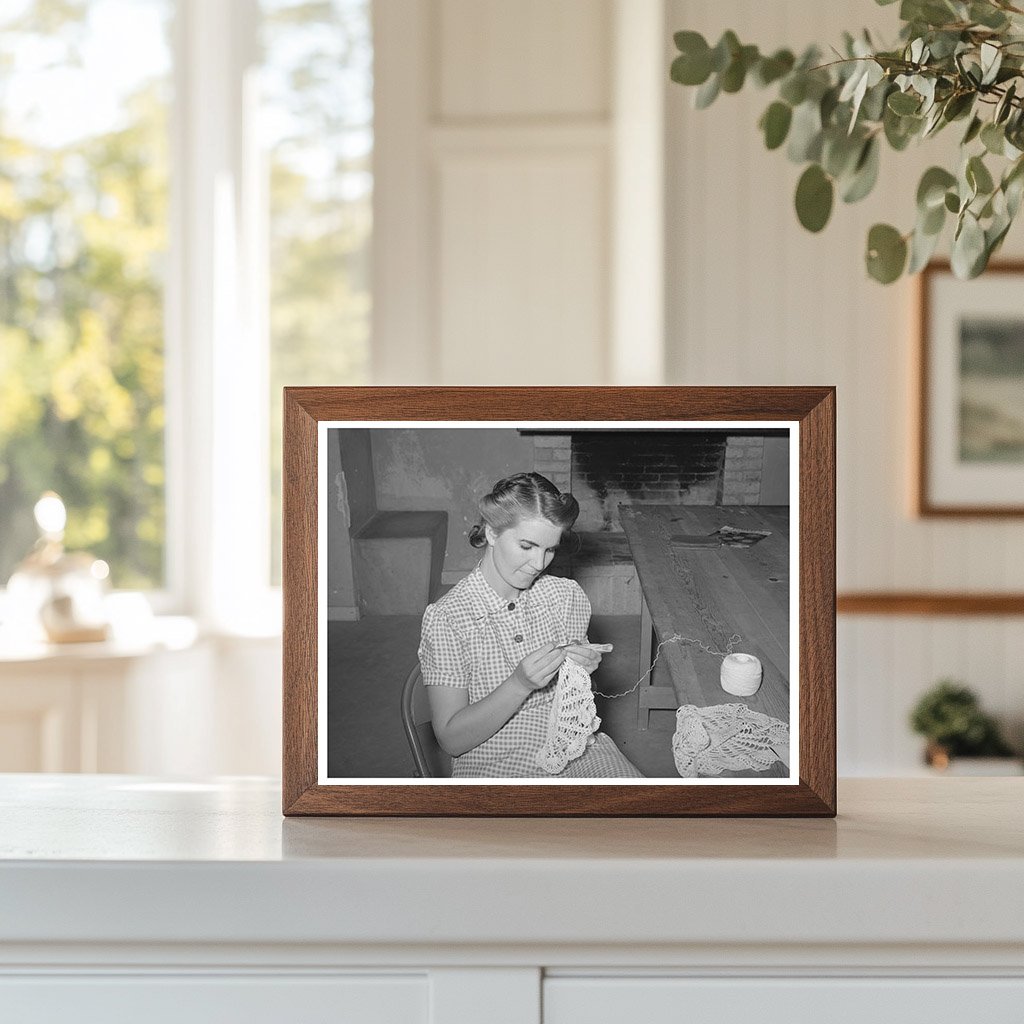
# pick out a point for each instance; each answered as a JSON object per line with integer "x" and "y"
{"x": 956, "y": 61}
{"x": 950, "y": 717}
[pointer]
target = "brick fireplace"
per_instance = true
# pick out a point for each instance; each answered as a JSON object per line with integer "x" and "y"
{"x": 604, "y": 469}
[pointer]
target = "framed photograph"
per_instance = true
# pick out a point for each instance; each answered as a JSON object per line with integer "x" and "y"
{"x": 559, "y": 601}
{"x": 970, "y": 450}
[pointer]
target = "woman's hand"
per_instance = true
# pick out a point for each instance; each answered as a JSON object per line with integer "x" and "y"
{"x": 539, "y": 667}
{"x": 585, "y": 656}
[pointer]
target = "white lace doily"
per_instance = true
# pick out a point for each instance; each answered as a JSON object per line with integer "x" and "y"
{"x": 573, "y": 719}
{"x": 727, "y": 737}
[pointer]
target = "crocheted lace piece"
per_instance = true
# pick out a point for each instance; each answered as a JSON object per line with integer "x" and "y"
{"x": 708, "y": 741}
{"x": 573, "y": 719}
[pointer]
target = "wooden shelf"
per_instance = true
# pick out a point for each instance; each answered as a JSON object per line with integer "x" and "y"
{"x": 928, "y": 603}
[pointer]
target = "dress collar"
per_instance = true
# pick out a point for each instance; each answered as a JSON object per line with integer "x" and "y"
{"x": 485, "y": 594}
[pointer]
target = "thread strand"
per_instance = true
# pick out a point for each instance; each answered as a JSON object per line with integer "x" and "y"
{"x": 676, "y": 638}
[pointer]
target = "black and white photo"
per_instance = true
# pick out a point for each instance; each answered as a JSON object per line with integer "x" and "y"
{"x": 558, "y": 602}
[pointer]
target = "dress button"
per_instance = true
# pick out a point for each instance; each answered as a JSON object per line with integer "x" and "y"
{"x": 511, "y": 606}
{"x": 518, "y": 638}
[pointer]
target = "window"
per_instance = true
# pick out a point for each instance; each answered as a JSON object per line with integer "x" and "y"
{"x": 317, "y": 118}
{"x": 185, "y": 220}
{"x": 83, "y": 236}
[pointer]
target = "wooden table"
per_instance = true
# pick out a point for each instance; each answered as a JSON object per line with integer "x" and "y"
{"x": 708, "y": 594}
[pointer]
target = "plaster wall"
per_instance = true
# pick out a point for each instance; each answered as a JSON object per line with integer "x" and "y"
{"x": 448, "y": 469}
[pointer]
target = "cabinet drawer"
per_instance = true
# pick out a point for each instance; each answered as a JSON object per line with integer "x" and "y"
{"x": 660, "y": 1000}
{"x": 202, "y": 999}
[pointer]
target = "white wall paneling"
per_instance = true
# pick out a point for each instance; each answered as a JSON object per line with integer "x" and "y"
{"x": 518, "y": 203}
{"x": 531, "y": 59}
{"x": 522, "y": 282}
{"x": 402, "y": 329}
{"x": 752, "y": 298}
{"x": 638, "y": 222}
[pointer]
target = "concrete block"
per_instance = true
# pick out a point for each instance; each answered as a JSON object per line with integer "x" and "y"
{"x": 398, "y": 558}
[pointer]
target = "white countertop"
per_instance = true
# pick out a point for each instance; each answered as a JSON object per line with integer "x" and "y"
{"x": 124, "y": 859}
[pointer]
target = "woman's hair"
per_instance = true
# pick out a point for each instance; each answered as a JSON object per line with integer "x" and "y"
{"x": 523, "y": 496}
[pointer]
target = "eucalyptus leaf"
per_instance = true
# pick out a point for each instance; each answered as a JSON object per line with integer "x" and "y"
{"x": 840, "y": 152}
{"x": 933, "y": 122}
{"x": 978, "y": 176}
{"x": 828, "y": 104}
{"x": 968, "y": 247}
{"x": 687, "y": 72}
{"x": 1013, "y": 187}
{"x": 993, "y": 138}
{"x": 865, "y": 173}
{"x": 858, "y": 77}
{"x": 930, "y": 12}
{"x": 707, "y": 93}
{"x": 690, "y": 42}
{"x": 873, "y": 106}
{"x": 943, "y": 44}
{"x": 995, "y": 233}
{"x": 886, "y": 253}
{"x": 966, "y": 187}
{"x": 724, "y": 51}
{"x": 925, "y": 88}
{"x": 814, "y": 194}
{"x": 735, "y": 74}
{"x": 775, "y": 123}
{"x": 1004, "y": 106}
{"x": 991, "y": 59}
{"x": 922, "y": 248}
{"x": 805, "y": 133}
{"x": 958, "y": 105}
{"x": 931, "y": 190}
{"x": 900, "y": 130}
{"x": 771, "y": 69}
{"x": 1013, "y": 191}
{"x": 903, "y": 103}
{"x": 932, "y": 221}
{"x": 987, "y": 15}
{"x": 794, "y": 88}
{"x": 952, "y": 202}
{"x": 972, "y": 132}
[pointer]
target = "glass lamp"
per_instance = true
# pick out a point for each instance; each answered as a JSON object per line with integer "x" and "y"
{"x": 55, "y": 595}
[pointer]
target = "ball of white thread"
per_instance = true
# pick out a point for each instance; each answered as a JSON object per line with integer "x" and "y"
{"x": 741, "y": 674}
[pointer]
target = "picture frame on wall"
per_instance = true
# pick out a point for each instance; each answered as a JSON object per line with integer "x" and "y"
{"x": 970, "y": 419}
{"x": 559, "y": 601}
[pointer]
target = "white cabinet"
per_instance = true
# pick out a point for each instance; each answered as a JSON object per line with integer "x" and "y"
{"x": 98, "y": 707}
{"x": 824, "y": 1000}
{"x": 170, "y": 703}
{"x": 202, "y": 999}
{"x": 134, "y": 898}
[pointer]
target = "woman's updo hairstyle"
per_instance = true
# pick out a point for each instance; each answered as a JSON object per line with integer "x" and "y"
{"x": 523, "y": 496}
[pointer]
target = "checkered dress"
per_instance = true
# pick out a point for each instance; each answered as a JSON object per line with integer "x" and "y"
{"x": 472, "y": 639}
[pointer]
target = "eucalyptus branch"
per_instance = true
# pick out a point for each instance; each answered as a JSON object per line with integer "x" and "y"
{"x": 834, "y": 116}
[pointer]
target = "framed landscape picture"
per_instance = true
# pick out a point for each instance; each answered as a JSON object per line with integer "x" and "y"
{"x": 559, "y": 601}
{"x": 970, "y": 450}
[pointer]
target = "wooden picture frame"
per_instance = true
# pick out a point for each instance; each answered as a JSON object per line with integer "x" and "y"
{"x": 804, "y": 415}
{"x": 969, "y": 449}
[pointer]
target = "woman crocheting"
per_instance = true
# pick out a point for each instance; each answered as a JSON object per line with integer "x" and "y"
{"x": 493, "y": 647}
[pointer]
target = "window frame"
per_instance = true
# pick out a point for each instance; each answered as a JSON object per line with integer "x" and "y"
{"x": 216, "y": 317}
